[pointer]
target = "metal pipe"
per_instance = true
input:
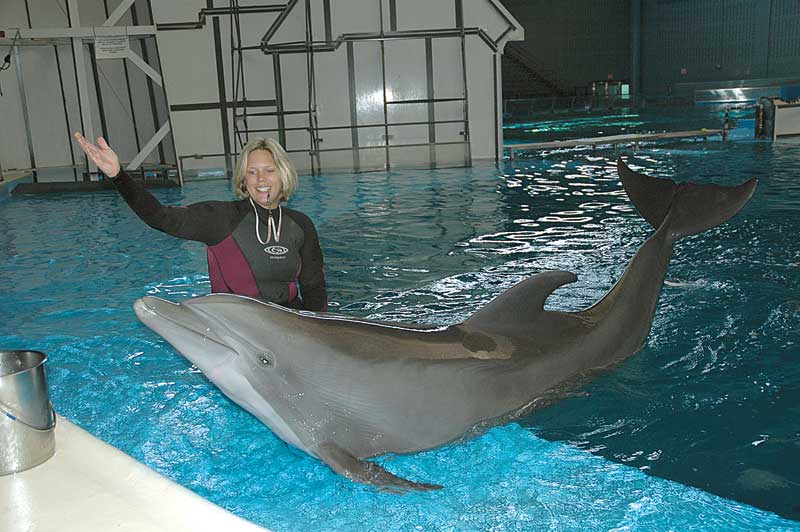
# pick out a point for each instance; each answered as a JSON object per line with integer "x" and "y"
{"x": 351, "y": 86}
{"x": 460, "y": 22}
{"x": 431, "y": 105}
{"x": 66, "y": 112}
{"x": 320, "y": 46}
{"x": 25, "y": 116}
{"x": 333, "y": 128}
{"x": 388, "y": 163}
{"x": 101, "y": 109}
{"x": 280, "y": 112}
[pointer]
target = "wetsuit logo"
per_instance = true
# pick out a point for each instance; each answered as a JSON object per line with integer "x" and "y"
{"x": 276, "y": 250}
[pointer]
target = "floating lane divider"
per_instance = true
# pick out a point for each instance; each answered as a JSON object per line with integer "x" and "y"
{"x": 612, "y": 140}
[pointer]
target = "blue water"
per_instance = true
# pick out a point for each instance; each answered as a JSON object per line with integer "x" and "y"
{"x": 709, "y": 403}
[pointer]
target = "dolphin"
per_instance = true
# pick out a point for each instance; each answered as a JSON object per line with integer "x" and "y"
{"x": 345, "y": 390}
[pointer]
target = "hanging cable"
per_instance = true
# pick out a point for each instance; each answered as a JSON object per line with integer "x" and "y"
{"x": 7, "y": 59}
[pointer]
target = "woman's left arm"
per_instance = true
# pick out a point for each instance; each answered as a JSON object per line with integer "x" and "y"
{"x": 312, "y": 273}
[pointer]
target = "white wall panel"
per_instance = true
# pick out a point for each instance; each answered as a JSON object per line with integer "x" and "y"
{"x": 318, "y": 19}
{"x": 354, "y": 16}
{"x": 294, "y": 73}
{"x": 71, "y": 96}
{"x": 12, "y": 14}
{"x": 453, "y": 110}
{"x": 293, "y": 28}
{"x": 437, "y": 15}
{"x": 369, "y": 83}
{"x": 258, "y": 72}
{"x": 192, "y": 81}
{"x": 160, "y": 97}
{"x": 116, "y": 106}
{"x": 336, "y": 160}
{"x": 47, "y": 13}
{"x": 450, "y": 132}
{"x": 406, "y": 73}
{"x": 448, "y": 77}
{"x": 333, "y": 91}
{"x": 335, "y": 138}
{"x": 13, "y": 139}
{"x": 407, "y": 112}
{"x": 91, "y": 12}
{"x": 206, "y": 137}
{"x": 45, "y": 108}
{"x": 297, "y": 140}
{"x": 263, "y": 122}
{"x": 480, "y": 80}
{"x": 142, "y": 111}
{"x": 176, "y": 10}
{"x": 414, "y": 134}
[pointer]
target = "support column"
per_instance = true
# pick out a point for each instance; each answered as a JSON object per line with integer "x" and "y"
{"x": 636, "y": 48}
{"x": 79, "y": 52}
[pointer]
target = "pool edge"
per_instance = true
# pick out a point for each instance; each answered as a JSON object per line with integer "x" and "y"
{"x": 89, "y": 486}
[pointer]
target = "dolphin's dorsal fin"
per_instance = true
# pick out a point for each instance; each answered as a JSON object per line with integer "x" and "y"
{"x": 366, "y": 472}
{"x": 522, "y": 302}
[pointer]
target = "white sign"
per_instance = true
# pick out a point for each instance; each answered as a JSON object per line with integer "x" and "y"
{"x": 112, "y": 46}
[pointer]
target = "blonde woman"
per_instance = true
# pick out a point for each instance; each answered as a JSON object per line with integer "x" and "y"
{"x": 255, "y": 246}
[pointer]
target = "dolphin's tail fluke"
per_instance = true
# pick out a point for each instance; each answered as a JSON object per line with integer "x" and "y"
{"x": 687, "y": 208}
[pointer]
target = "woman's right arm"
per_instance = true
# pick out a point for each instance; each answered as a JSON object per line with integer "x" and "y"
{"x": 200, "y": 221}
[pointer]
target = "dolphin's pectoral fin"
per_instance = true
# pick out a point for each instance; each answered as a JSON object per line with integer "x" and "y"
{"x": 366, "y": 472}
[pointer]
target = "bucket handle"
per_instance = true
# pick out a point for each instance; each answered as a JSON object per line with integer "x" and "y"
{"x": 6, "y": 411}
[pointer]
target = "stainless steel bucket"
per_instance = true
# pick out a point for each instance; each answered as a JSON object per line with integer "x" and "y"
{"x": 27, "y": 418}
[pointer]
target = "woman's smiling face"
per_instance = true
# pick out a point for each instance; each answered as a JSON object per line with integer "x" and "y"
{"x": 263, "y": 179}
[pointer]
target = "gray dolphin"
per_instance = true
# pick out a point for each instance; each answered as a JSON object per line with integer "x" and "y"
{"x": 345, "y": 389}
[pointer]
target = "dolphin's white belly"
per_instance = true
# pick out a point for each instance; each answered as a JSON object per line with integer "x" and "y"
{"x": 241, "y": 392}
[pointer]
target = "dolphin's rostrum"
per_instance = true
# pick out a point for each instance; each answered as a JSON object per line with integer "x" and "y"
{"x": 345, "y": 389}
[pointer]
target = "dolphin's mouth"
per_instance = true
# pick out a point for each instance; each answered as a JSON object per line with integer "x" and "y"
{"x": 185, "y": 330}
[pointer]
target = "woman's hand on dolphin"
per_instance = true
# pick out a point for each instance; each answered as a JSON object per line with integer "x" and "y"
{"x": 101, "y": 154}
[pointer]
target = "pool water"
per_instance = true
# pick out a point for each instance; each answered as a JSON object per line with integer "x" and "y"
{"x": 698, "y": 431}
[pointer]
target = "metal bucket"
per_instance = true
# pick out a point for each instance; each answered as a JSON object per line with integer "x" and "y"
{"x": 27, "y": 418}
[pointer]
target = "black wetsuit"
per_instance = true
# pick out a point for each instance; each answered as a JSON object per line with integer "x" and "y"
{"x": 288, "y": 272}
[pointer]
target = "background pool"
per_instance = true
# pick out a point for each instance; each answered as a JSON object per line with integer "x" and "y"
{"x": 710, "y": 402}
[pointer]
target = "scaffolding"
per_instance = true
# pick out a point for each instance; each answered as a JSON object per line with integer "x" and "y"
{"x": 242, "y": 108}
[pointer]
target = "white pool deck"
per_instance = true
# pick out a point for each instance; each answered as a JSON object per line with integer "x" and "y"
{"x": 90, "y": 486}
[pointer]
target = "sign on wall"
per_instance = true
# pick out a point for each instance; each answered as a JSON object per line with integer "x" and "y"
{"x": 112, "y": 46}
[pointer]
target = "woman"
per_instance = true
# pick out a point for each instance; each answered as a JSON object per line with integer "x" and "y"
{"x": 255, "y": 247}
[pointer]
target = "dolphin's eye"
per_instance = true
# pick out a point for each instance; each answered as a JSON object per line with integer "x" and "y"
{"x": 265, "y": 361}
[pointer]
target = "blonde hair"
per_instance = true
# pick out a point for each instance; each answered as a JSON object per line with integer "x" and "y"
{"x": 285, "y": 168}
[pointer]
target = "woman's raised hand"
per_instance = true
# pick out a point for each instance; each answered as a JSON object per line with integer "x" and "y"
{"x": 102, "y": 155}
